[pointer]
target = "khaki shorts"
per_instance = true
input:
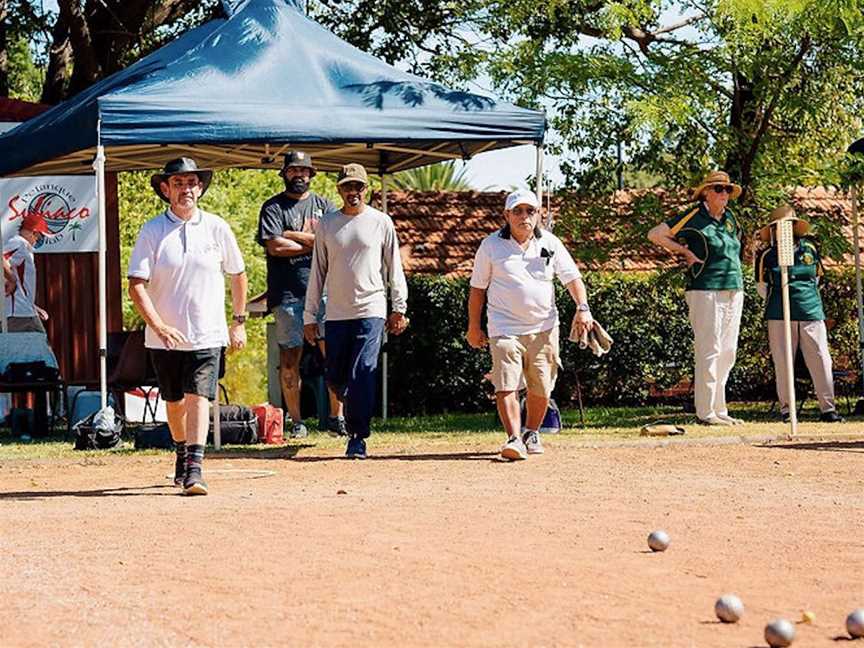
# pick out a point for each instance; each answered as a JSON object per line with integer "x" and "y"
{"x": 534, "y": 356}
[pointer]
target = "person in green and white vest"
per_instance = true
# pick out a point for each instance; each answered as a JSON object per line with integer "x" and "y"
{"x": 708, "y": 237}
{"x": 806, "y": 312}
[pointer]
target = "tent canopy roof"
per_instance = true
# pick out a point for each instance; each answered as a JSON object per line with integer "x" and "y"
{"x": 237, "y": 92}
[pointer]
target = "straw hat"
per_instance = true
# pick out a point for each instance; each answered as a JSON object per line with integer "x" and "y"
{"x": 717, "y": 178}
{"x": 783, "y": 213}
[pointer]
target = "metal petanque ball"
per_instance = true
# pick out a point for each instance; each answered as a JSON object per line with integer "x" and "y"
{"x": 658, "y": 540}
{"x": 779, "y": 633}
{"x": 729, "y": 608}
{"x": 855, "y": 623}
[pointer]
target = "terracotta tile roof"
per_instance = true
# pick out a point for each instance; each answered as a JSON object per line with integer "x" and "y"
{"x": 13, "y": 110}
{"x": 440, "y": 231}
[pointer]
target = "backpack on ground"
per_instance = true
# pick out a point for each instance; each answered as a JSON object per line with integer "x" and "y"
{"x": 153, "y": 436}
{"x": 551, "y": 421}
{"x": 99, "y": 431}
{"x": 238, "y": 425}
{"x": 270, "y": 422}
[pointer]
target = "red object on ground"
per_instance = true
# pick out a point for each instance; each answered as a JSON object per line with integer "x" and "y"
{"x": 270, "y": 421}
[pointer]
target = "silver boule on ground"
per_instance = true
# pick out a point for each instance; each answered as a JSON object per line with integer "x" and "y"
{"x": 780, "y": 633}
{"x": 658, "y": 540}
{"x": 855, "y": 623}
{"x": 729, "y": 608}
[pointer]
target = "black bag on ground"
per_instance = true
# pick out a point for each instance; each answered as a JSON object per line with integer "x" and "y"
{"x": 237, "y": 425}
{"x": 153, "y": 436}
{"x": 88, "y": 436}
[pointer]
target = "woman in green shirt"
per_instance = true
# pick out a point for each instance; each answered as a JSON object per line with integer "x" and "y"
{"x": 805, "y": 312}
{"x": 708, "y": 237}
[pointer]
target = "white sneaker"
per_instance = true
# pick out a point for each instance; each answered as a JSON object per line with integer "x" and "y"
{"x": 714, "y": 420}
{"x": 514, "y": 449}
{"x": 731, "y": 419}
{"x": 532, "y": 442}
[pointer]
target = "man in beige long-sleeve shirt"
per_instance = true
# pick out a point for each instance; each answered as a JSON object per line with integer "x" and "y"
{"x": 356, "y": 259}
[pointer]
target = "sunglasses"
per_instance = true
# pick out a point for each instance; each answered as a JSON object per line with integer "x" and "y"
{"x": 530, "y": 211}
{"x": 723, "y": 189}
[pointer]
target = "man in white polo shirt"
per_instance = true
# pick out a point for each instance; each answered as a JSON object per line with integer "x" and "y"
{"x": 177, "y": 285}
{"x": 514, "y": 269}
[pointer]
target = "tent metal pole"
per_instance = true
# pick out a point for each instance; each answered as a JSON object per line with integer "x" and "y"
{"x": 384, "y": 393}
{"x": 858, "y": 293}
{"x": 99, "y": 166}
{"x": 539, "y": 181}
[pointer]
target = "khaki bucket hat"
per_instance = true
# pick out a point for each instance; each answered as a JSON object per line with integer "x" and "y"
{"x": 782, "y": 213}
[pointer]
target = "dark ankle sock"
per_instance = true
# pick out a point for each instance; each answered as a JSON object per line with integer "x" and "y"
{"x": 179, "y": 459}
{"x": 194, "y": 459}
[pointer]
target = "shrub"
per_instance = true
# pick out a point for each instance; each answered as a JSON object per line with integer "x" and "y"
{"x": 432, "y": 369}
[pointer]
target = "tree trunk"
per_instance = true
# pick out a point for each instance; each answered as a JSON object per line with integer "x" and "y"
{"x": 85, "y": 63}
{"x": 742, "y": 123}
{"x": 59, "y": 60}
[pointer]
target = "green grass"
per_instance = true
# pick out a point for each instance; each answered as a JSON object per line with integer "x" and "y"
{"x": 471, "y": 430}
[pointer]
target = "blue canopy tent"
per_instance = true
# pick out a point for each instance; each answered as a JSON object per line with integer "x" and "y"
{"x": 236, "y": 92}
{"x": 239, "y": 91}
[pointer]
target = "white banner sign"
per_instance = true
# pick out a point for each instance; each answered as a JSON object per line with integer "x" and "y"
{"x": 67, "y": 203}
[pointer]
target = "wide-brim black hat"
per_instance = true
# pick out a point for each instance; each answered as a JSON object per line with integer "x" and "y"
{"x": 180, "y": 166}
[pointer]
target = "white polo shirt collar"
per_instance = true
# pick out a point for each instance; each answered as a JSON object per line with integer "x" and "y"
{"x": 174, "y": 218}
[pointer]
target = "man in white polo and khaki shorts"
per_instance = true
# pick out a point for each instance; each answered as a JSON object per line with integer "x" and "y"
{"x": 514, "y": 271}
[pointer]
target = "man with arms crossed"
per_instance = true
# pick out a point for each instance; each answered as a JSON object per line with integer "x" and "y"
{"x": 286, "y": 230}
{"x": 514, "y": 269}
{"x": 356, "y": 259}
{"x": 177, "y": 285}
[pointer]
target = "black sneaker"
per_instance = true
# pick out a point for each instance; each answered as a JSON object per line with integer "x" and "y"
{"x": 179, "y": 470}
{"x": 336, "y": 426}
{"x": 784, "y": 417}
{"x": 194, "y": 485}
{"x": 830, "y": 416}
{"x": 356, "y": 448}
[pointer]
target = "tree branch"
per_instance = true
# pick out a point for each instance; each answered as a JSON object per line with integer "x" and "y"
{"x": 682, "y": 23}
{"x": 780, "y": 86}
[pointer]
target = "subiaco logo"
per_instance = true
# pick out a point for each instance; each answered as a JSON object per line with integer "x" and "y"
{"x": 807, "y": 258}
{"x": 54, "y": 203}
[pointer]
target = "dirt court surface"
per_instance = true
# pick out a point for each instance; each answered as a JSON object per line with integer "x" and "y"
{"x": 435, "y": 546}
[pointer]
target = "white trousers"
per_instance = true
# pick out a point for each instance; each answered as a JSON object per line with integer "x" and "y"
{"x": 812, "y": 338}
{"x": 715, "y": 316}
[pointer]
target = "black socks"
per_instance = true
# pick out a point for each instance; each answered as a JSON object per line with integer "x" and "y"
{"x": 194, "y": 459}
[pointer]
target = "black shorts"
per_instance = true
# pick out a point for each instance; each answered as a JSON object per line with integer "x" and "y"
{"x": 186, "y": 372}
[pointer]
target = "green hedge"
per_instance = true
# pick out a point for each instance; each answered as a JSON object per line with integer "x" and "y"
{"x": 432, "y": 369}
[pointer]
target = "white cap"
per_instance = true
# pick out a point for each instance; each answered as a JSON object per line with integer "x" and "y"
{"x": 521, "y": 197}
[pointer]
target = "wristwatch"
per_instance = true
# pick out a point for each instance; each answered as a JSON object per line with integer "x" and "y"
{"x": 583, "y": 308}
{"x": 240, "y": 319}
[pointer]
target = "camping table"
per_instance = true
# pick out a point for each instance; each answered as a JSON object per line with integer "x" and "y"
{"x": 32, "y": 347}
